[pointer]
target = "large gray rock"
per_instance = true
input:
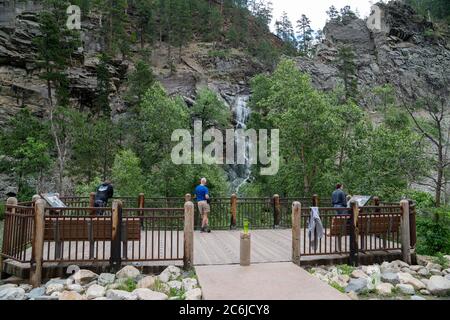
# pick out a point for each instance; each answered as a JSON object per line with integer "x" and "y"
{"x": 14, "y": 293}
{"x": 384, "y": 289}
{"x": 434, "y": 266}
{"x": 128, "y": 272}
{"x": 170, "y": 273}
{"x": 84, "y": 277}
{"x": 106, "y": 278}
{"x": 406, "y": 278}
{"x": 357, "y": 285}
{"x": 36, "y": 292}
{"x": 405, "y": 289}
{"x": 417, "y": 298}
{"x": 359, "y": 274}
{"x": 95, "y": 291}
{"x": 147, "y": 294}
{"x": 175, "y": 284}
{"x": 390, "y": 277}
{"x": 75, "y": 287}
{"x": 146, "y": 282}
{"x": 120, "y": 295}
{"x": 194, "y": 294}
{"x": 54, "y": 287}
{"x": 439, "y": 286}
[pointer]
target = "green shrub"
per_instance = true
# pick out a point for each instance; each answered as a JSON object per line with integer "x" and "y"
{"x": 441, "y": 260}
{"x": 337, "y": 287}
{"x": 422, "y": 199}
{"x": 218, "y": 53}
{"x": 129, "y": 285}
{"x": 345, "y": 269}
{"x": 433, "y": 231}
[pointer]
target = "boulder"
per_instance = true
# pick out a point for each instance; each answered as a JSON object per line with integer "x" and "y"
{"x": 120, "y": 295}
{"x": 170, "y": 273}
{"x": 384, "y": 289}
{"x": 95, "y": 291}
{"x": 417, "y": 298}
{"x": 7, "y": 286}
{"x": 75, "y": 287}
{"x": 175, "y": 284}
{"x": 359, "y": 274}
{"x": 357, "y": 285}
{"x": 26, "y": 287}
{"x": 12, "y": 293}
{"x": 439, "y": 286}
{"x": 390, "y": 277}
{"x": 194, "y": 294}
{"x": 424, "y": 272}
{"x": 352, "y": 295}
{"x": 147, "y": 294}
{"x": 435, "y": 272}
{"x": 433, "y": 266}
{"x": 189, "y": 284}
{"x": 36, "y": 292}
{"x": 106, "y": 278}
{"x": 416, "y": 268}
{"x": 399, "y": 264}
{"x": 63, "y": 282}
{"x": 405, "y": 289}
{"x": 54, "y": 287}
{"x": 406, "y": 278}
{"x": 70, "y": 295}
{"x": 84, "y": 277}
{"x": 425, "y": 292}
{"x": 369, "y": 270}
{"x": 128, "y": 272}
{"x": 146, "y": 282}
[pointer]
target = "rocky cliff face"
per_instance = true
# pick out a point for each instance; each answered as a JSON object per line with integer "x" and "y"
{"x": 20, "y": 84}
{"x": 394, "y": 46}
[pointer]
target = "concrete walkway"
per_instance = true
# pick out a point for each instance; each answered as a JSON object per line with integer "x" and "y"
{"x": 265, "y": 281}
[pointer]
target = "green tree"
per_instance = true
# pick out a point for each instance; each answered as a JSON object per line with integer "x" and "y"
{"x": 152, "y": 140}
{"x": 347, "y": 71}
{"x": 103, "y": 87}
{"x": 24, "y": 149}
{"x": 139, "y": 81}
{"x": 305, "y": 31}
{"x": 127, "y": 174}
{"x": 210, "y": 110}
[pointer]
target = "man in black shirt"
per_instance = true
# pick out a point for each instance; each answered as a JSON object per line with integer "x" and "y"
{"x": 104, "y": 192}
{"x": 339, "y": 198}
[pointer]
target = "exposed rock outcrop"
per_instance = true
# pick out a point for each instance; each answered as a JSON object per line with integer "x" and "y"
{"x": 394, "y": 46}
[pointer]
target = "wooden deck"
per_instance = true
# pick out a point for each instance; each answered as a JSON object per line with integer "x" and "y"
{"x": 216, "y": 248}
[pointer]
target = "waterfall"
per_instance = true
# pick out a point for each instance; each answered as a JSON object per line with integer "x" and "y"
{"x": 241, "y": 173}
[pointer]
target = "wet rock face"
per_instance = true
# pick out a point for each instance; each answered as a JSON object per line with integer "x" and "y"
{"x": 400, "y": 54}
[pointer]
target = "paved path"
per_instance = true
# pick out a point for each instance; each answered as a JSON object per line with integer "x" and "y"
{"x": 264, "y": 281}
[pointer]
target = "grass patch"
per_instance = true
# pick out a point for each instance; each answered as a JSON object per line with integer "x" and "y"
{"x": 219, "y": 53}
{"x": 129, "y": 285}
{"x": 345, "y": 269}
{"x": 337, "y": 287}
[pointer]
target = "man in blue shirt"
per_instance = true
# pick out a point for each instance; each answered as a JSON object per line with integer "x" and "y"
{"x": 202, "y": 196}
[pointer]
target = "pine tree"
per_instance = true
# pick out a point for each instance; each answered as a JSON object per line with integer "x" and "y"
{"x": 145, "y": 9}
{"x": 332, "y": 13}
{"x": 305, "y": 31}
{"x": 103, "y": 87}
{"x": 347, "y": 71}
{"x": 285, "y": 31}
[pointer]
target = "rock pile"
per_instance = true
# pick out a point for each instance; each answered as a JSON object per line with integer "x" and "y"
{"x": 394, "y": 279}
{"x": 127, "y": 284}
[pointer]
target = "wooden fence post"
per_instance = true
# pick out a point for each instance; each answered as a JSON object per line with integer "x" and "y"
{"x": 116, "y": 236}
{"x": 354, "y": 251}
{"x": 9, "y": 202}
{"x": 233, "y": 206}
{"x": 412, "y": 223}
{"x": 92, "y": 202}
{"x": 315, "y": 200}
{"x": 188, "y": 258}
{"x": 37, "y": 244}
{"x": 276, "y": 211}
{"x": 296, "y": 227}
{"x": 141, "y": 205}
{"x": 406, "y": 242}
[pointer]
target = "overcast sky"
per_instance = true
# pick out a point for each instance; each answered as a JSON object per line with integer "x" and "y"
{"x": 315, "y": 10}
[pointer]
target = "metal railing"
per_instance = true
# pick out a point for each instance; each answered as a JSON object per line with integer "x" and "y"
{"x": 17, "y": 232}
